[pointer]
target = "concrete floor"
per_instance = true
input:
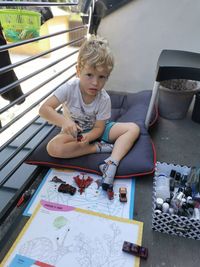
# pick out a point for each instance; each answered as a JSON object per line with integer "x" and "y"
{"x": 176, "y": 142}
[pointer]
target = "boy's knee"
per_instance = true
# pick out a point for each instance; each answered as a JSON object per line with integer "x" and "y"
{"x": 135, "y": 129}
{"x": 53, "y": 150}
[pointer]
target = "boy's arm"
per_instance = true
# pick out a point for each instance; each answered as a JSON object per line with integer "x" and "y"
{"x": 48, "y": 112}
{"x": 96, "y": 132}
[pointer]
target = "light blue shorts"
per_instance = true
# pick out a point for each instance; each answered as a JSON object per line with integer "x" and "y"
{"x": 105, "y": 135}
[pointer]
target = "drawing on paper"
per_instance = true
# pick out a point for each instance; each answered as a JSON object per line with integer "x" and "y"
{"x": 80, "y": 238}
{"x": 93, "y": 198}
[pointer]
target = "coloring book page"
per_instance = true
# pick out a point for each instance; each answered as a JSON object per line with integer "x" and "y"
{"x": 93, "y": 198}
{"x": 62, "y": 236}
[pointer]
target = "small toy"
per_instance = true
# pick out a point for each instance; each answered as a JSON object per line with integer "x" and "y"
{"x": 135, "y": 250}
{"x": 67, "y": 188}
{"x": 55, "y": 179}
{"x": 188, "y": 191}
{"x": 123, "y": 194}
{"x": 165, "y": 207}
{"x": 110, "y": 193}
{"x": 184, "y": 179}
{"x": 25, "y": 196}
{"x": 177, "y": 176}
{"x": 173, "y": 173}
{"x": 82, "y": 182}
{"x": 171, "y": 184}
{"x": 79, "y": 137}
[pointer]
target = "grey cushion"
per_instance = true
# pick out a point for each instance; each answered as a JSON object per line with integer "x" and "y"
{"x": 140, "y": 160}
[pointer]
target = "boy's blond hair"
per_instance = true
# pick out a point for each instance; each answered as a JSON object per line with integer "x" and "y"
{"x": 95, "y": 52}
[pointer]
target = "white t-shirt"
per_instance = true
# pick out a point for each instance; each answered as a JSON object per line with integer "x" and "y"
{"x": 85, "y": 114}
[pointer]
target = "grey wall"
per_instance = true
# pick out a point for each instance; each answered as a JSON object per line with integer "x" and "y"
{"x": 139, "y": 31}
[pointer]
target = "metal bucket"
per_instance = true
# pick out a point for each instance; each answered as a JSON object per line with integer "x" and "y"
{"x": 174, "y": 104}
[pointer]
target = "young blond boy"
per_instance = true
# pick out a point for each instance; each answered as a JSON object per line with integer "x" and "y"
{"x": 87, "y": 109}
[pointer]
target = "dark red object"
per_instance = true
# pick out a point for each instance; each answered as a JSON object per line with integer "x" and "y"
{"x": 67, "y": 188}
{"x": 25, "y": 196}
{"x": 135, "y": 250}
{"x": 79, "y": 137}
{"x": 82, "y": 182}
{"x": 110, "y": 194}
{"x": 55, "y": 179}
{"x": 21, "y": 201}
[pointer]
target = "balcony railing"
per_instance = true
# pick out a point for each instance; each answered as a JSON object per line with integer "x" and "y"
{"x": 37, "y": 75}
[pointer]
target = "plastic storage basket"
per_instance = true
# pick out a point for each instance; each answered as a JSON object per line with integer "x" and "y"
{"x": 19, "y": 24}
{"x": 173, "y": 224}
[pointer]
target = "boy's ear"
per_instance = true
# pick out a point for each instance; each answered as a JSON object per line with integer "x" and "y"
{"x": 77, "y": 71}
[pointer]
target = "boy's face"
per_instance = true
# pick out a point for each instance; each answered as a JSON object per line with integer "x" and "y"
{"x": 92, "y": 80}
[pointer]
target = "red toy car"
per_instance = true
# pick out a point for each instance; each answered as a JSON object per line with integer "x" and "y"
{"x": 135, "y": 249}
{"x": 79, "y": 137}
{"x": 110, "y": 194}
{"x": 67, "y": 188}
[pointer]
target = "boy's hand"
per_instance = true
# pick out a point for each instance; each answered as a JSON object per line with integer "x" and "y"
{"x": 70, "y": 127}
{"x": 85, "y": 139}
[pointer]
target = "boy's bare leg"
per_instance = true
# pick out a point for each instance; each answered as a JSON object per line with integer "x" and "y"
{"x": 65, "y": 146}
{"x": 124, "y": 135}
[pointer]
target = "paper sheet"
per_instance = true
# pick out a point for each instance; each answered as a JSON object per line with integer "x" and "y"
{"x": 94, "y": 198}
{"x": 59, "y": 235}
